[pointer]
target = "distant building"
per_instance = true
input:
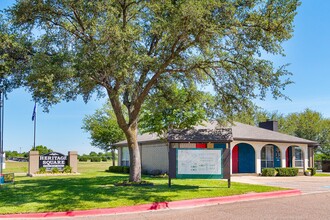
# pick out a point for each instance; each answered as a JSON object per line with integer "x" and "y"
{"x": 252, "y": 148}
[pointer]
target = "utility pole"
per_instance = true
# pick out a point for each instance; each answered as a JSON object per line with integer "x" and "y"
{"x": 1, "y": 130}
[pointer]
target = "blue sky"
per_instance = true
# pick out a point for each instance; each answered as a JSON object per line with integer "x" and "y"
{"x": 308, "y": 53}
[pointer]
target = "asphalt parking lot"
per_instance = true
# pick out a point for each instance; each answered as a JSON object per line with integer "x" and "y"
{"x": 306, "y": 184}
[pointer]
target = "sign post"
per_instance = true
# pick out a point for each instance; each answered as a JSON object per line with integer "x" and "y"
{"x": 199, "y": 163}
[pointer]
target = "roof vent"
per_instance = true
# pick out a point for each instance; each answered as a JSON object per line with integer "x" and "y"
{"x": 269, "y": 124}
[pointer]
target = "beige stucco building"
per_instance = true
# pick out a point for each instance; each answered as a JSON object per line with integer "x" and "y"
{"x": 252, "y": 149}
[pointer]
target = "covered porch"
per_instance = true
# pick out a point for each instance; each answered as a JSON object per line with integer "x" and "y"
{"x": 252, "y": 157}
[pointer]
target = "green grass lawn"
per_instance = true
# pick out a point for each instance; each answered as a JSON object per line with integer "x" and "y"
{"x": 95, "y": 188}
{"x": 322, "y": 174}
{"x": 16, "y": 167}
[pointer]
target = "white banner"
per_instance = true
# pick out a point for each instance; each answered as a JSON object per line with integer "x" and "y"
{"x": 195, "y": 161}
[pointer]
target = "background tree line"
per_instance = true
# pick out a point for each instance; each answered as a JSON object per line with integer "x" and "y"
{"x": 99, "y": 157}
{"x": 92, "y": 156}
{"x": 13, "y": 155}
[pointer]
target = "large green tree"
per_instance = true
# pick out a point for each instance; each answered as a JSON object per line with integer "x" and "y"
{"x": 256, "y": 115}
{"x": 124, "y": 47}
{"x": 15, "y": 51}
{"x": 310, "y": 125}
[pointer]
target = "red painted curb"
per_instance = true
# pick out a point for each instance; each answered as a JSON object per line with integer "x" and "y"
{"x": 158, "y": 205}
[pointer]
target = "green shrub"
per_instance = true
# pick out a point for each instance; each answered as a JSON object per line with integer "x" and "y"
{"x": 55, "y": 170}
{"x": 83, "y": 159}
{"x": 95, "y": 159}
{"x": 155, "y": 172}
{"x": 287, "y": 171}
{"x": 67, "y": 169}
{"x": 125, "y": 169}
{"x": 268, "y": 172}
{"x": 313, "y": 170}
{"x": 104, "y": 159}
{"x": 144, "y": 172}
{"x": 42, "y": 170}
{"x": 119, "y": 169}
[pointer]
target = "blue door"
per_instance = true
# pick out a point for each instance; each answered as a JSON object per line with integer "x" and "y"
{"x": 246, "y": 159}
{"x": 277, "y": 157}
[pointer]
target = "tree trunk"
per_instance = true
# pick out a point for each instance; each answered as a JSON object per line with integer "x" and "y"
{"x": 130, "y": 130}
{"x": 134, "y": 153}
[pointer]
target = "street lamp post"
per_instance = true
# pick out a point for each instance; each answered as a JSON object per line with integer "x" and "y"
{"x": 1, "y": 130}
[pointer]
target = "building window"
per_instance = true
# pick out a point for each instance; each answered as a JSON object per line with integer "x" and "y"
{"x": 267, "y": 156}
{"x": 299, "y": 162}
{"x": 124, "y": 156}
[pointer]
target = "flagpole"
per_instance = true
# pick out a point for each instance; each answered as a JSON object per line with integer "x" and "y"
{"x": 35, "y": 125}
{"x": 1, "y": 130}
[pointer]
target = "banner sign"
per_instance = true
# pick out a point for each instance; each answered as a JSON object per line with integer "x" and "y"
{"x": 199, "y": 163}
{"x": 53, "y": 160}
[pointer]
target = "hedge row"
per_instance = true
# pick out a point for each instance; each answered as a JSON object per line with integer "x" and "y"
{"x": 92, "y": 159}
{"x": 287, "y": 171}
{"x": 280, "y": 171}
{"x": 119, "y": 169}
{"x": 268, "y": 172}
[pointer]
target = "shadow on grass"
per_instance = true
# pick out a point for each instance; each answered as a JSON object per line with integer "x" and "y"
{"x": 97, "y": 190}
{"x": 70, "y": 193}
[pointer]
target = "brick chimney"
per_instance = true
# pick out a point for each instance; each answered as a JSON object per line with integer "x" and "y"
{"x": 269, "y": 124}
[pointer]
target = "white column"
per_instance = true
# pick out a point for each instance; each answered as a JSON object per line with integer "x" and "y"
{"x": 305, "y": 151}
{"x": 258, "y": 158}
{"x": 231, "y": 157}
{"x": 293, "y": 158}
{"x": 283, "y": 156}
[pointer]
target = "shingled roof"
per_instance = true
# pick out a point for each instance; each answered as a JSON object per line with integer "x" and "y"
{"x": 200, "y": 135}
{"x": 240, "y": 132}
{"x": 244, "y": 132}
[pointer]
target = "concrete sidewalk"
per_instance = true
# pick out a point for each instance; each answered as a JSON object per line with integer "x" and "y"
{"x": 306, "y": 184}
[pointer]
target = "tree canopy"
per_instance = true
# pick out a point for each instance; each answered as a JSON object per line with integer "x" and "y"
{"x": 310, "y": 125}
{"x": 42, "y": 149}
{"x": 122, "y": 48}
{"x": 172, "y": 107}
{"x": 14, "y": 56}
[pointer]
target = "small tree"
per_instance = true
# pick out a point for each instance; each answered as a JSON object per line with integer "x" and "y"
{"x": 103, "y": 129}
{"x": 42, "y": 149}
{"x": 310, "y": 125}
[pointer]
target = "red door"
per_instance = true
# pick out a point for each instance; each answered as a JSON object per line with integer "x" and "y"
{"x": 201, "y": 145}
{"x": 235, "y": 159}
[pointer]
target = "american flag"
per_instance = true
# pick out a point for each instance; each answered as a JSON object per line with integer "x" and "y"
{"x": 34, "y": 111}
